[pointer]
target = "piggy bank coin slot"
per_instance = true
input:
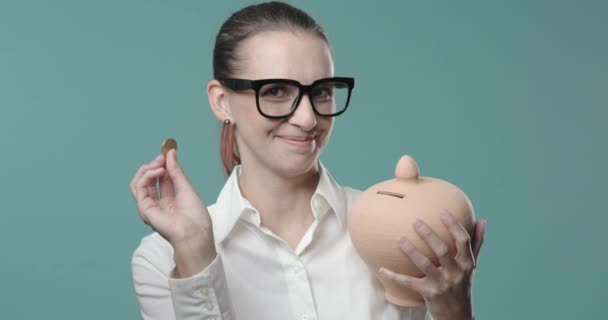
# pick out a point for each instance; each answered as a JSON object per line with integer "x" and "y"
{"x": 392, "y": 194}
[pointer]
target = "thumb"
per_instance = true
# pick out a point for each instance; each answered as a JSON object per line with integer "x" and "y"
{"x": 176, "y": 172}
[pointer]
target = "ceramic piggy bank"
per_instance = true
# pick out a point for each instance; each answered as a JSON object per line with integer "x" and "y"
{"x": 387, "y": 211}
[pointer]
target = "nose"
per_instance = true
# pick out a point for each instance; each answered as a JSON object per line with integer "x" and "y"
{"x": 304, "y": 116}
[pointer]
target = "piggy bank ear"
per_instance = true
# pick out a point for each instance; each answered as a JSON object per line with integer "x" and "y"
{"x": 407, "y": 168}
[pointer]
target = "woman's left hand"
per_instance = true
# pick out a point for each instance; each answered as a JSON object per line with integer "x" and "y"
{"x": 447, "y": 288}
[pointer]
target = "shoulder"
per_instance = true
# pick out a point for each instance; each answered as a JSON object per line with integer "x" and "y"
{"x": 351, "y": 194}
{"x": 350, "y": 191}
{"x": 344, "y": 193}
{"x": 345, "y": 199}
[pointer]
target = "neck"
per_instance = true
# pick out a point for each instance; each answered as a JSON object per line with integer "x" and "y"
{"x": 282, "y": 201}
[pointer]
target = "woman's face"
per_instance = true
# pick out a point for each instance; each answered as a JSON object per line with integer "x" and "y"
{"x": 291, "y": 145}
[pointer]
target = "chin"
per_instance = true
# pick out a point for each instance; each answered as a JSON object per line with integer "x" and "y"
{"x": 297, "y": 165}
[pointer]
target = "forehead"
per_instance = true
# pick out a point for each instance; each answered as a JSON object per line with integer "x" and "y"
{"x": 297, "y": 55}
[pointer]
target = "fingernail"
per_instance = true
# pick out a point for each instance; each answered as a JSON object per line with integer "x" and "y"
{"x": 382, "y": 272}
{"x": 402, "y": 241}
{"x": 447, "y": 216}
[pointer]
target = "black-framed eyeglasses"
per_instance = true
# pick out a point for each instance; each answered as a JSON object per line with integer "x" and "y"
{"x": 279, "y": 98}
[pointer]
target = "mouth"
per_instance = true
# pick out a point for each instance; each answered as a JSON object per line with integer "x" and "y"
{"x": 298, "y": 140}
{"x": 306, "y": 138}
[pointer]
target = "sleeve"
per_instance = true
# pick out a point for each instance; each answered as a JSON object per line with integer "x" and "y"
{"x": 416, "y": 313}
{"x": 203, "y": 296}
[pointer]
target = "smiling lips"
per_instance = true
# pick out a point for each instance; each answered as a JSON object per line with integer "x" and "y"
{"x": 306, "y": 138}
{"x": 298, "y": 141}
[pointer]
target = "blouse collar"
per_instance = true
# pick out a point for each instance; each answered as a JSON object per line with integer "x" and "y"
{"x": 232, "y": 206}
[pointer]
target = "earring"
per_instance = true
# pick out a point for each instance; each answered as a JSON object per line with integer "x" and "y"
{"x": 227, "y": 122}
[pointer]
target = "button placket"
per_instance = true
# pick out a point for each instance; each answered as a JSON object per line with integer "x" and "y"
{"x": 299, "y": 293}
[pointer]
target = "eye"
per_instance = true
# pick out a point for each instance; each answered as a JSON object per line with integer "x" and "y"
{"x": 274, "y": 91}
{"x": 323, "y": 93}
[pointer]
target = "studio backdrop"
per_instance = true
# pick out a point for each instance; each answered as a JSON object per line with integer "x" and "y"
{"x": 505, "y": 99}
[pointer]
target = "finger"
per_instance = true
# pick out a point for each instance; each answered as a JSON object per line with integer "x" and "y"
{"x": 166, "y": 187}
{"x": 136, "y": 178}
{"x": 420, "y": 260}
{"x": 150, "y": 212}
{"x": 146, "y": 186}
{"x": 440, "y": 248}
{"x": 147, "y": 197}
{"x": 154, "y": 163}
{"x": 416, "y": 284}
{"x": 463, "y": 241}
{"x": 480, "y": 228}
{"x": 176, "y": 172}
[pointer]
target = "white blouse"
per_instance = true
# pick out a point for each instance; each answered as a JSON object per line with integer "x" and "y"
{"x": 256, "y": 275}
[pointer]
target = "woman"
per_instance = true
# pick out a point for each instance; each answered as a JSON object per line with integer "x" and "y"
{"x": 275, "y": 245}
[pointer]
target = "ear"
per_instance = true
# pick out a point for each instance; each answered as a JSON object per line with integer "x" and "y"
{"x": 218, "y": 101}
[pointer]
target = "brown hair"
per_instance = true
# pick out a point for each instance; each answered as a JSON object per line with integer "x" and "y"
{"x": 241, "y": 25}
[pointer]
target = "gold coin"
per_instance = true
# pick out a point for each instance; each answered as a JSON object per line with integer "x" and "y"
{"x": 168, "y": 144}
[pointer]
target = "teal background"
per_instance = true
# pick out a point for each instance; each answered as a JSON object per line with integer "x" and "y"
{"x": 506, "y": 99}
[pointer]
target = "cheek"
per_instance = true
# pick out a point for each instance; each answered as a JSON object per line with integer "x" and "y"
{"x": 247, "y": 118}
{"x": 242, "y": 107}
{"x": 326, "y": 125}
{"x": 255, "y": 128}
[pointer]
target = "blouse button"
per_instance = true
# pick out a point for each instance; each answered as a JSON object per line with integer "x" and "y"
{"x": 205, "y": 290}
{"x": 209, "y": 306}
{"x": 296, "y": 268}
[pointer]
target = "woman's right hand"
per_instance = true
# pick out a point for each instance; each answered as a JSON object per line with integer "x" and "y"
{"x": 178, "y": 214}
